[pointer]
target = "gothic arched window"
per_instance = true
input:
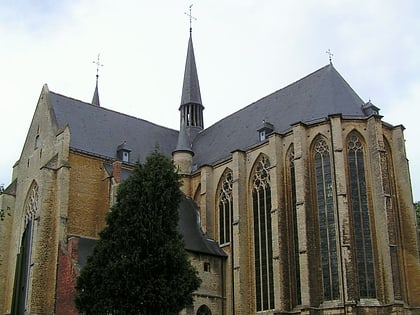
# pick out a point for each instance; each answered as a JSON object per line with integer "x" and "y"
{"x": 225, "y": 207}
{"x": 203, "y": 310}
{"x": 363, "y": 252}
{"x": 23, "y": 263}
{"x": 392, "y": 219}
{"x": 263, "y": 251}
{"x": 326, "y": 219}
{"x": 294, "y": 265}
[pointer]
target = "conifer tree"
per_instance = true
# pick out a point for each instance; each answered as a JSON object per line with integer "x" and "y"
{"x": 139, "y": 264}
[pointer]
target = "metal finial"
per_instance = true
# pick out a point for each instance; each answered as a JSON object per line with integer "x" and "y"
{"x": 98, "y": 64}
{"x": 191, "y": 17}
{"x": 330, "y": 54}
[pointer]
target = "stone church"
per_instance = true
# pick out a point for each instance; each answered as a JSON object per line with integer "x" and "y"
{"x": 299, "y": 203}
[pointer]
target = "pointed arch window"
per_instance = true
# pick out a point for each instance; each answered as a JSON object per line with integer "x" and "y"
{"x": 392, "y": 219}
{"x": 203, "y": 310}
{"x": 326, "y": 219}
{"x": 293, "y": 235}
{"x": 363, "y": 252}
{"x": 225, "y": 207}
{"x": 263, "y": 251}
{"x": 23, "y": 260}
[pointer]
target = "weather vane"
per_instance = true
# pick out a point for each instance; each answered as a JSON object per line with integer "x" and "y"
{"x": 330, "y": 54}
{"x": 191, "y": 18}
{"x": 98, "y": 64}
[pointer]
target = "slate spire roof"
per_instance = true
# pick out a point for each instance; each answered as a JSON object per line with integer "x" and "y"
{"x": 95, "y": 99}
{"x": 191, "y": 87}
{"x": 191, "y": 108}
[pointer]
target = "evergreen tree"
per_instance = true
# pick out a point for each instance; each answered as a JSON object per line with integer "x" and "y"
{"x": 139, "y": 264}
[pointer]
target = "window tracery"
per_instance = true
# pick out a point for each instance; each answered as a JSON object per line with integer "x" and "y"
{"x": 225, "y": 208}
{"x": 363, "y": 252}
{"x": 261, "y": 195}
{"x": 293, "y": 236}
{"x": 326, "y": 219}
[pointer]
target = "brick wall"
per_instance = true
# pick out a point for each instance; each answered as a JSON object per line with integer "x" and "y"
{"x": 66, "y": 277}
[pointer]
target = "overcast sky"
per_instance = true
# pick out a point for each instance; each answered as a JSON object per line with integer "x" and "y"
{"x": 245, "y": 49}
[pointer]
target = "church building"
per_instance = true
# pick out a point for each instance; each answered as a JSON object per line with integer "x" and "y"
{"x": 299, "y": 203}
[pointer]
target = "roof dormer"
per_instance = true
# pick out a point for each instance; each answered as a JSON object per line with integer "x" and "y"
{"x": 370, "y": 109}
{"x": 264, "y": 130}
{"x": 123, "y": 152}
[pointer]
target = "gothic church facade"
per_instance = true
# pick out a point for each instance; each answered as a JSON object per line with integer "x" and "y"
{"x": 299, "y": 203}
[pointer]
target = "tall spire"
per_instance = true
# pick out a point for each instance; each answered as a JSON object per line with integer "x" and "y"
{"x": 95, "y": 99}
{"x": 191, "y": 86}
{"x": 191, "y": 110}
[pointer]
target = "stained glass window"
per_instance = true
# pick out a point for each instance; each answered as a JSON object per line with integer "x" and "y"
{"x": 326, "y": 219}
{"x": 23, "y": 261}
{"x": 263, "y": 251}
{"x": 225, "y": 208}
{"x": 392, "y": 220}
{"x": 293, "y": 236}
{"x": 361, "y": 223}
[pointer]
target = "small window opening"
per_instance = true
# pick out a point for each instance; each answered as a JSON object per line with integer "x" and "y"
{"x": 36, "y": 141}
{"x": 123, "y": 152}
{"x": 125, "y": 157}
{"x": 207, "y": 267}
{"x": 265, "y": 130}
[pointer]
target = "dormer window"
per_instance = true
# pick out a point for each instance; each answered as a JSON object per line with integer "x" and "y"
{"x": 370, "y": 109}
{"x": 123, "y": 152}
{"x": 125, "y": 156}
{"x": 265, "y": 130}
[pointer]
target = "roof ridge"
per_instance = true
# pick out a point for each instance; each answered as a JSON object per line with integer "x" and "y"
{"x": 268, "y": 95}
{"x": 111, "y": 110}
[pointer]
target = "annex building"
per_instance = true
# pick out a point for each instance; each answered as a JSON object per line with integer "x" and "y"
{"x": 299, "y": 203}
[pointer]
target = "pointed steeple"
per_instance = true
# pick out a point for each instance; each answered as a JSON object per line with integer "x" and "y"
{"x": 191, "y": 109}
{"x": 191, "y": 86}
{"x": 95, "y": 99}
{"x": 191, "y": 112}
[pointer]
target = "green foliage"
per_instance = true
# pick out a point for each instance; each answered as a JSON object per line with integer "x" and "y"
{"x": 417, "y": 207}
{"x": 139, "y": 265}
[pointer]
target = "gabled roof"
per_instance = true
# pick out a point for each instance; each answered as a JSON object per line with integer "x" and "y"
{"x": 99, "y": 131}
{"x": 312, "y": 98}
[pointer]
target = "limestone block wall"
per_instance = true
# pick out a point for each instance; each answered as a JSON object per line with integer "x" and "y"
{"x": 239, "y": 274}
{"x": 212, "y": 290}
{"x": 7, "y": 205}
{"x": 89, "y": 192}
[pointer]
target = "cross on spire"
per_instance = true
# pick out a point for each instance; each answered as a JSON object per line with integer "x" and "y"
{"x": 98, "y": 64}
{"x": 330, "y": 54}
{"x": 191, "y": 18}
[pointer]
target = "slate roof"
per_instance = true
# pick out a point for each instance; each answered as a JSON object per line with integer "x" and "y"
{"x": 191, "y": 87}
{"x": 312, "y": 98}
{"x": 189, "y": 227}
{"x": 100, "y": 131}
